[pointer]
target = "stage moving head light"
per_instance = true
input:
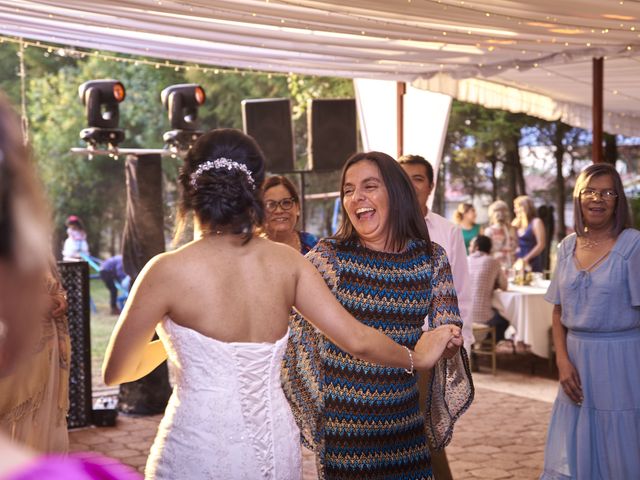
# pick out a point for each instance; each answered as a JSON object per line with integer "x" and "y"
{"x": 101, "y": 99}
{"x": 182, "y": 102}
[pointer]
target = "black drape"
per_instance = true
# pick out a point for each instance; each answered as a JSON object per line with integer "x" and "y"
{"x": 143, "y": 239}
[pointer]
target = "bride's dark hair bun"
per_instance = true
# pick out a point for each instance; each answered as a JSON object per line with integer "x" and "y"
{"x": 224, "y": 196}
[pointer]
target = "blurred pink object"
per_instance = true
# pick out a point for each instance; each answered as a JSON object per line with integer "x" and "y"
{"x": 75, "y": 467}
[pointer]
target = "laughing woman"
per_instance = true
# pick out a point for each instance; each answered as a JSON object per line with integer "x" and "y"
{"x": 363, "y": 419}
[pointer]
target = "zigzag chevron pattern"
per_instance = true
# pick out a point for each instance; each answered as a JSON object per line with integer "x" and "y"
{"x": 362, "y": 419}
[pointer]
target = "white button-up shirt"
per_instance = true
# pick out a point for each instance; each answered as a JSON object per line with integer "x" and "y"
{"x": 449, "y": 236}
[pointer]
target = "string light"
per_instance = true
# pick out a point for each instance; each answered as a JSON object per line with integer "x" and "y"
{"x": 136, "y": 61}
{"x": 454, "y": 34}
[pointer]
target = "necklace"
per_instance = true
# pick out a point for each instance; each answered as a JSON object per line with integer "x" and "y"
{"x": 587, "y": 243}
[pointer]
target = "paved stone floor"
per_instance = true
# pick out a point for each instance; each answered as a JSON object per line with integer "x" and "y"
{"x": 501, "y": 436}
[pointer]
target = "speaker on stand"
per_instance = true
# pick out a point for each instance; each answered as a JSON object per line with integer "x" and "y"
{"x": 268, "y": 121}
{"x": 333, "y": 135}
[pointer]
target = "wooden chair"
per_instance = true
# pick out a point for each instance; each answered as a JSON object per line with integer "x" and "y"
{"x": 485, "y": 343}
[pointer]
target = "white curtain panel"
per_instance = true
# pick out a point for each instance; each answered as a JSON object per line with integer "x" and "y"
{"x": 377, "y": 113}
{"x": 426, "y": 118}
{"x": 425, "y": 122}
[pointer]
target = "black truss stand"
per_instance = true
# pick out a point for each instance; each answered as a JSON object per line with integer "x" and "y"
{"x": 75, "y": 281}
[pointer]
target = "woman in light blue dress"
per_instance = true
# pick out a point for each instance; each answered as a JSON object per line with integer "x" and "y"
{"x": 594, "y": 431}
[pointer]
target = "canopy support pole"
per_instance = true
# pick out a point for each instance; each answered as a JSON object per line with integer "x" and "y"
{"x": 401, "y": 90}
{"x": 598, "y": 87}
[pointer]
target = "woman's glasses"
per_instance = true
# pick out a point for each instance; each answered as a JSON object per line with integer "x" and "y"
{"x": 284, "y": 204}
{"x": 590, "y": 194}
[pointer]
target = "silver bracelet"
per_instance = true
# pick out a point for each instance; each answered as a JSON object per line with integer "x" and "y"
{"x": 411, "y": 370}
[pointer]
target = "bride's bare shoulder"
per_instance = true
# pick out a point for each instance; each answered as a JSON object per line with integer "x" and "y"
{"x": 167, "y": 261}
{"x": 282, "y": 254}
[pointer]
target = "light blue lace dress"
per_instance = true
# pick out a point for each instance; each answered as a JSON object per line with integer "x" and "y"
{"x": 601, "y": 309}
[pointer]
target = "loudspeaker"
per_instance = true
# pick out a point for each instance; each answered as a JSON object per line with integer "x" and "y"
{"x": 332, "y": 132}
{"x": 268, "y": 121}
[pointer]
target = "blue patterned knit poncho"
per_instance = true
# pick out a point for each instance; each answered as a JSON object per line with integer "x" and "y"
{"x": 363, "y": 420}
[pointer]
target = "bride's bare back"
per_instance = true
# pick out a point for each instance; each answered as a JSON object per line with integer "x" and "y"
{"x": 235, "y": 292}
{"x": 230, "y": 291}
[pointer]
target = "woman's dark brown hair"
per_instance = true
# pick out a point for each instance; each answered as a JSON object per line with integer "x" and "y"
{"x": 221, "y": 197}
{"x": 405, "y": 219}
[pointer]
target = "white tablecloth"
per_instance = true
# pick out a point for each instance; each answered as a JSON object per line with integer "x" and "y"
{"x": 529, "y": 313}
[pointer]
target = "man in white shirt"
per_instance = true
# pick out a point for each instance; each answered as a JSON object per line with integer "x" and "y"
{"x": 449, "y": 236}
{"x": 445, "y": 233}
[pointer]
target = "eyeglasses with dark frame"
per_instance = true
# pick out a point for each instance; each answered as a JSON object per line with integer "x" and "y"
{"x": 284, "y": 204}
{"x": 591, "y": 194}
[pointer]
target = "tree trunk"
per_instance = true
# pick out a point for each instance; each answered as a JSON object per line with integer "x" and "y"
{"x": 438, "y": 196}
{"x": 512, "y": 170}
{"x": 522, "y": 186}
{"x": 494, "y": 178}
{"x": 560, "y": 184}
{"x": 610, "y": 148}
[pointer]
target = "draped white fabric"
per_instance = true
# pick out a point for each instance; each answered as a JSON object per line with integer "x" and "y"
{"x": 425, "y": 120}
{"x": 542, "y": 48}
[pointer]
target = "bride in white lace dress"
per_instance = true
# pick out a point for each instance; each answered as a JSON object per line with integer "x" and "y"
{"x": 220, "y": 305}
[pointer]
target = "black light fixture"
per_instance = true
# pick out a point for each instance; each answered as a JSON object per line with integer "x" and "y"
{"x": 101, "y": 99}
{"x": 182, "y": 102}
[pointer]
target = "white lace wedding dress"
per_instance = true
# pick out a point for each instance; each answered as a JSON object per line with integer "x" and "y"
{"x": 228, "y": 417}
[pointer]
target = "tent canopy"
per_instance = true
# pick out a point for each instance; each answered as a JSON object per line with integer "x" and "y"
{"x": 533, "y": 57}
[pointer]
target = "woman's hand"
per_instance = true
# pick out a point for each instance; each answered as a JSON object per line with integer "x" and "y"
{"x": 453, "y": 347}
{"x": 444, "y": 340}
{"x": 570, "y": 380}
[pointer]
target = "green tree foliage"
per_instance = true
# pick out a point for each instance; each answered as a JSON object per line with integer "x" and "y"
{"x": 635, "y": 211}
{"x": 93, "y": 189}
{"x": 489, "y": 138}
{"x": 37, "y": 62}
{"x": 225, "y": 92}
{"x": 562, "y": 139}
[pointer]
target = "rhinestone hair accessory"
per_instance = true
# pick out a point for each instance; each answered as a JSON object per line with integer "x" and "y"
{"x": 222, "y": 163}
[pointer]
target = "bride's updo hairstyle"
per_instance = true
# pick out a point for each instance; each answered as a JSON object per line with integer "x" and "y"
{"x": 221, "y": 178}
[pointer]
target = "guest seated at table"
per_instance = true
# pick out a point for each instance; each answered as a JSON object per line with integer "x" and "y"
{"x": 485, "y": 275}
